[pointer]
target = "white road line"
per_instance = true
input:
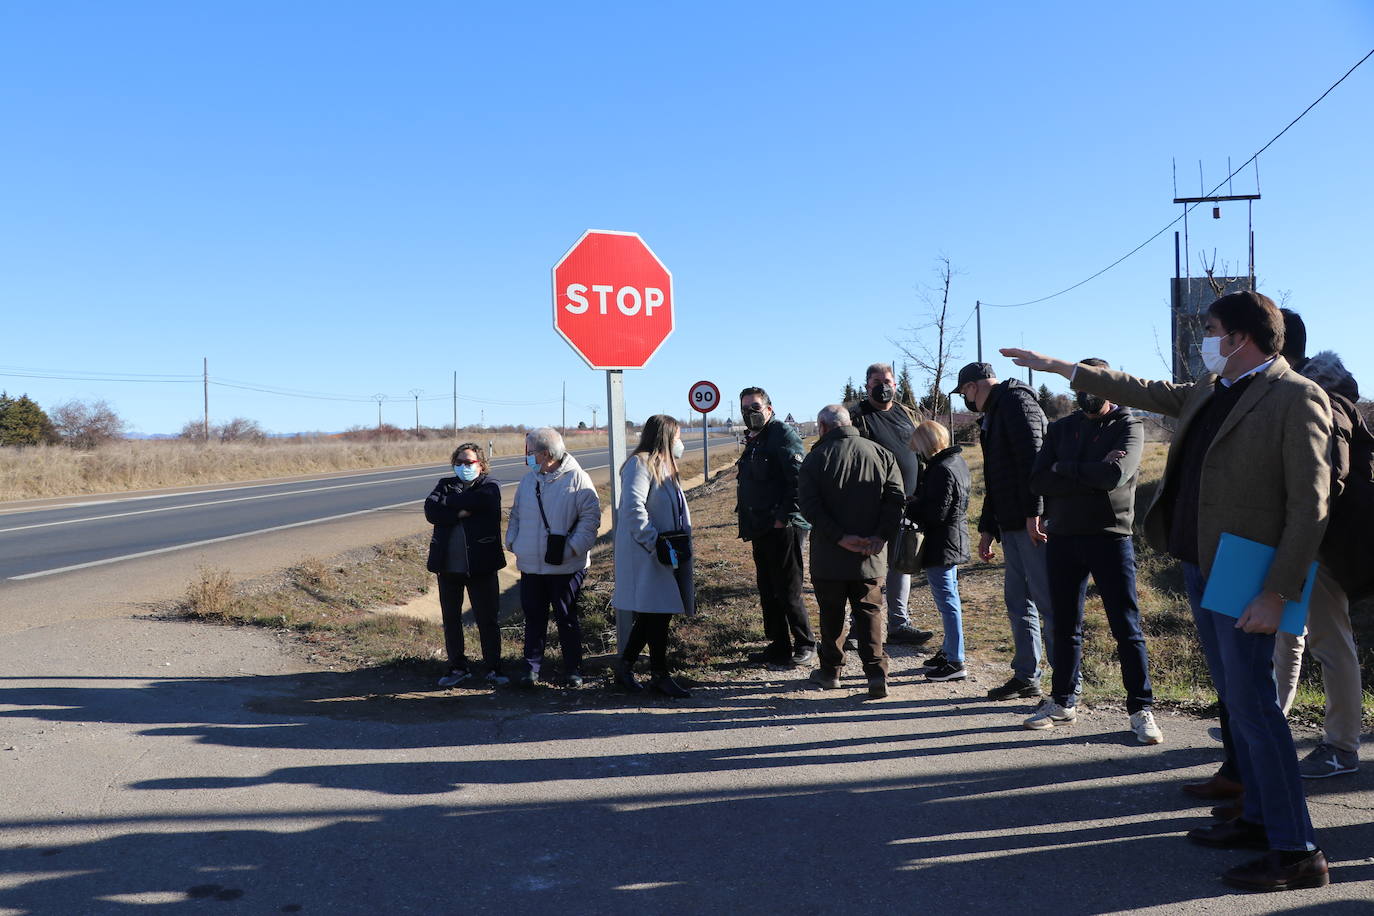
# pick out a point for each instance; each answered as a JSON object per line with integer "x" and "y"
{"x": 220, "y": 540}
{"x": 213, "y": 502}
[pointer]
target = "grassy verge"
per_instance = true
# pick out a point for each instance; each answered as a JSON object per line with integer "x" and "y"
{"x": 50, "y": 471}
{"x": 327, "y": 606}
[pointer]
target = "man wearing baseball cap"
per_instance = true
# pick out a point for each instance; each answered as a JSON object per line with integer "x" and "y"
{"x": 1011, "y": 432}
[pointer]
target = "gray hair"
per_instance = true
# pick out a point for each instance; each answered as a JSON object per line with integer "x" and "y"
{"x": 877, "y": 369}
{"x": 834, "y": 416}
{"x": 546, "y": 439}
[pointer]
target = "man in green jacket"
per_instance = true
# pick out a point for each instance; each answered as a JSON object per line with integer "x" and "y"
{"x": 771, "y": 521}
{"x": 1250, "y": 459}
{"x": 851, "y": 492}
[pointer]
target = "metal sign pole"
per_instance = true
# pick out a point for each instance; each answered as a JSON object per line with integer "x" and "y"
{"x": 705, "y": 447}
{"x": 615, "y": 433}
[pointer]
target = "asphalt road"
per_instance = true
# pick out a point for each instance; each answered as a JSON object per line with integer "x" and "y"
{"x": 80, "y": 535}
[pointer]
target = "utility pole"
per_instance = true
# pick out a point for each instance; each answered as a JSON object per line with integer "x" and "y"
{"x": 379, "y": 398}
{"x": 564, "y": 428}
{"x": 455, "y": 405}
{"x": 593, "y": 407}
{"x": 205, "y": 424}
{"x": 978, "y": 314}
{"x": 415, "y": 393}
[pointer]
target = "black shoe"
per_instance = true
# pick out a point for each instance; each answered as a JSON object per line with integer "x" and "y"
{"x": 1236, "y": 834}
{"x": 877, "y": 686}
{"x": 938, "y": 660}
{"x": 529, "y": 679}
{"x": 851, "y": 644}
{"x": 947, "y": 672}
{"x": 669, "y": 687}
{"x": 1013, "y": 689}
{"x": 772, "y": 655}
{"x": 1270, "y": 873}
{"x": 909, "y": 635}
{"x": 625, "y": 677}
{"x": 803, "y": 655}
{"x": 574, "y": 681}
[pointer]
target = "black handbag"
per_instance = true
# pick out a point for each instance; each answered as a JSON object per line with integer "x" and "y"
{"x": 557, "y": 544}
{"x": 906, "y": 549}
{"x": 673, "y": 548}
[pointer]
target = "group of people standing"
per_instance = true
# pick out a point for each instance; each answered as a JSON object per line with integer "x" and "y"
{"x": 554, "y": 521}
{"x": 1250, "y": 457}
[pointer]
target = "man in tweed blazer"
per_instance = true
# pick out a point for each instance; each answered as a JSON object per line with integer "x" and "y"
{"x": 1249, "y": 458}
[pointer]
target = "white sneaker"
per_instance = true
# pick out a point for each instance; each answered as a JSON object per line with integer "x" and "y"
{"x": 1049, "y": 714}
{"x": 1146, "y": 731}
{"x": 454, "y": 677}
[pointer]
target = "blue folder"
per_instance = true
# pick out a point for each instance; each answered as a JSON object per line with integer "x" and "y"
{"x": 1237, "y": 577}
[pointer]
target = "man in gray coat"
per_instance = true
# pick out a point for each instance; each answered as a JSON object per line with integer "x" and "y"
{"x": 850, "y": 490}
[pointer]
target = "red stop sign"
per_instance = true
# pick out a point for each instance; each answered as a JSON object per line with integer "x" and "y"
{"x": 612, "y": 300}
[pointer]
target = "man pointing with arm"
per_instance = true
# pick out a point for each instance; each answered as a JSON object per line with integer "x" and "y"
{"x": 1249, "y": 458}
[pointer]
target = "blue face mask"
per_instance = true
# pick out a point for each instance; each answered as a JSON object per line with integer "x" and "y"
{"x": 529, "y": 460}
{"x": 467, "y": 472}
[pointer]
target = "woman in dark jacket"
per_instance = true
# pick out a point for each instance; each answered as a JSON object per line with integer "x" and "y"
{"x": 940, "y": 509}
{"x": 465, "y": 552}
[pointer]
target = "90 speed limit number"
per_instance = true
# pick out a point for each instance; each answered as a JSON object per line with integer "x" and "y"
{"x": 704, "y": 397}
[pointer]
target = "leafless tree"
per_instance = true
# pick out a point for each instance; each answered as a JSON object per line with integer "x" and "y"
{"x": 933, "y": 344}
{"x": 85, "y": 425}
{"x": 239, "y": 429}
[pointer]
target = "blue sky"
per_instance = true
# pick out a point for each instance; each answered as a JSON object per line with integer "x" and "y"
{"x": 356, "y": 198}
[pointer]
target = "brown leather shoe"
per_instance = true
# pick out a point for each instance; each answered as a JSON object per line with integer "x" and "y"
{"x": 1236, "y": 834}
{"x": 1229, "y": 811}
{"x": 1214, "y": 789}
{"x": 1268, "y": 873}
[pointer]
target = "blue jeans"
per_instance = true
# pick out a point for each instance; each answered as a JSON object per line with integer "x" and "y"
{"x": 1242, "y": 667}
{"x": 1110, "y": 560}
{"x": 1027, "y": 593}
{"x": 944, "y": 588}
{"x": 1195, "y": 583}
{"x": 898, "y": 589}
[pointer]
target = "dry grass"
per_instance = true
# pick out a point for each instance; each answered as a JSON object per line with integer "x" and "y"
{"x": 49, "y": 471}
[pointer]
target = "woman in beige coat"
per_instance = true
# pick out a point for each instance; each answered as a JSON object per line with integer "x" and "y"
{"x": 653, "y": 552}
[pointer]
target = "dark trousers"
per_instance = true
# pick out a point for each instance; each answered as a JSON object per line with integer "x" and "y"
{"x": 1110, "y": 560}
{"x": 539, "y": 593}
{"x": 483, "y": 593}
{"x": 863, "y": 598}
{"x": 649, "y": 630}
{"x": 778, "y": 565}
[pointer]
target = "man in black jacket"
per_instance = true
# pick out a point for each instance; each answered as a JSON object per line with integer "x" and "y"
{"x": 886, "y": 421}
{"x": 1087, "y": 473}
{"x": 1011, "y": 431}
{"x": 771, "y": 522}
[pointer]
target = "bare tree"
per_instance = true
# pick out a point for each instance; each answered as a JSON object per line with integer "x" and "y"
{"x": 85, "y": 425}
{"x": 933, "y": 344}
{"x": 239, "y": 429}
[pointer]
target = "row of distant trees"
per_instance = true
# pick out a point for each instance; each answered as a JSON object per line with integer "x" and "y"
{"x": 79, "y": 424}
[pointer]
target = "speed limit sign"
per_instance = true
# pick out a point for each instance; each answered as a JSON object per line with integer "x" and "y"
{"x": 704, "y": 397}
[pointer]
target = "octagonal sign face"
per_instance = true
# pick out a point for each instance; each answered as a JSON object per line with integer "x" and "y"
{"x": 612, "y": 300}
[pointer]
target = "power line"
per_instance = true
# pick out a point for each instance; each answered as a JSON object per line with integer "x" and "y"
{"x": 39, "y": 374}
{"x": 1188, "y": 209}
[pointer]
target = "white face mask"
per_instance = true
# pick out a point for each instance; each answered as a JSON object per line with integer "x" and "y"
{"x": 677, "y": 449}
{"x": 1212, "y": 359}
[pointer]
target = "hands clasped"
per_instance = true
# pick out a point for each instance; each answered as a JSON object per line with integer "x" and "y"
{"x": 868, "y": 546}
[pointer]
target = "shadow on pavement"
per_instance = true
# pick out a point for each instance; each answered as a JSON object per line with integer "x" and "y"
{"x": 546, "y": 809}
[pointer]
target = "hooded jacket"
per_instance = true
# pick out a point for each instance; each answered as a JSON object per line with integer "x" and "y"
{"x": 1011, "y": 433}
{"x": 1344, "y": 549}
{"x": 1083, "y": 493}
{"x": 572, "y": 508}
